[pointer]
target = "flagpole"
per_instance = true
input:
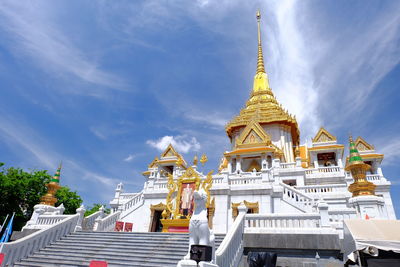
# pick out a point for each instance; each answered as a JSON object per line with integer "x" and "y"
{"x": 5, "y": 237}
{"x": 1, "y": 228}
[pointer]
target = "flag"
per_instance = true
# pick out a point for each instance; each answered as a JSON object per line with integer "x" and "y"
{"x": 7, "y": 233}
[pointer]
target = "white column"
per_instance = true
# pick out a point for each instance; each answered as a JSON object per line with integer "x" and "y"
{"x": 238, "y": 164}
{"x": 230, "y": 165}
{"x": 340, "y": 163}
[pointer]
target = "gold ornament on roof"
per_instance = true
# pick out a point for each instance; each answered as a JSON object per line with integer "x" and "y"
{"x": 195, "y": 160}
{"x": 203, "y": 159}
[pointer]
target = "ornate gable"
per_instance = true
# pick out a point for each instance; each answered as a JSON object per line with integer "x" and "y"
{"x": 253, "y": 135}
{"x": 153, "y": 164}
{"x": 169, "y": 152}
{"x": 323, "y": 136}
{"x": 362, "y": 145}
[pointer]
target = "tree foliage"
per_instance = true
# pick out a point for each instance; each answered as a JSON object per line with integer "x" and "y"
{"x": 20, "y": 191}
{"x": 95, "y": 208}
{"x": 70, "y": 199}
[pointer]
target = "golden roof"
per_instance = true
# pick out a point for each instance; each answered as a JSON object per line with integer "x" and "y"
{"x": 262, "y": 105}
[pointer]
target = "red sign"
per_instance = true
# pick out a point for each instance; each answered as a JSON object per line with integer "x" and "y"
{"x": 1, "y": 258}
{"x": 98, "y": 264}
{"x": 178, "y": 229}
{"x": 128, "y": 227}
{"x": 119, "y": 226}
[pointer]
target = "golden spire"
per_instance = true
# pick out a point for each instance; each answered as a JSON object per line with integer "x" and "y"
{"x": 262, "y": 104}
{"x": 358, "y": 170}
{"x": 260, "y": 59}
{"x": 52, "y": 187}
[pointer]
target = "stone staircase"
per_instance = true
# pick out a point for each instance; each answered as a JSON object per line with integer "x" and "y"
{"x": 117, "y": 248}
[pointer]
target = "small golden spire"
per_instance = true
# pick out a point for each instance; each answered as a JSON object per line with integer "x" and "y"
{"x": 195, "y": 160}
{"x": 260, "y": 59}
{"x": 203, "y": 159}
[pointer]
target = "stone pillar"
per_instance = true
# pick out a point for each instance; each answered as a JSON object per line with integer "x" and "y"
{"x": 340, "y": 163}
{"x": 264, "y": 164}
{"x": 379, "y": 171}
{"x": 238, "y": 164}
{"x": 230, "y": 165}
{"x": 323, "y": 211}
{"x": 298, "y": 162}
{"x": 81, "y": 211}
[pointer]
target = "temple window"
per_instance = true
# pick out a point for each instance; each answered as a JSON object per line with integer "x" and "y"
{"x": 327, "y": 159}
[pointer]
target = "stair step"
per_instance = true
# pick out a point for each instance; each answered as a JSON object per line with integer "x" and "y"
{"x": 117, "y": 248}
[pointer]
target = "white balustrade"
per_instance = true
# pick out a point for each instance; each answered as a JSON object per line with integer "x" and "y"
{"x": 107, "y": 223}
{"x": 290, "y": 165}
{"x": 126, "y": 196}
{"x": 230, "y": 251}
{"x": 21, "y": 248}
{"x": 133, "y": 202}
{"x": 297, "y": 198}
{"x": 325, "y": 171}
{"x": 374, "y": 177}
{"x": 50, "y": 219}
{"x": 276, "y": 220}
{"x": 218, "y": 180}
{"x": 160, "y": 184}
{"x": 245, "y": 180}
{"x": 89, "y": 221}
{"x": 312, "y": 189}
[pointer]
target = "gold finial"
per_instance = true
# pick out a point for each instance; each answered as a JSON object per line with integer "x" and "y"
{"x": 203, "y": 159}
{"x": 195, "y": 160}
{"x": 260, "y": 59}
{"x": 52, "y": 187}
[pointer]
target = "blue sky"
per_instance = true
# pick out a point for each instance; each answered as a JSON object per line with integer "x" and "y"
{"x": 104, "y": 85}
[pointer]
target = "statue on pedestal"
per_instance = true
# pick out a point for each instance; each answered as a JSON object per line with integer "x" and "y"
{"x": 199, "y": 232}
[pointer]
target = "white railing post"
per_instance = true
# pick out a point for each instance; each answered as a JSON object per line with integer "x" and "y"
{"x": 81, "y": 211}
{"x": 323, "y": 211}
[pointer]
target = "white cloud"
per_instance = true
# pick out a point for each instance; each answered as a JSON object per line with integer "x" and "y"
{"x": 391, "y": 150}
{"x": 181, "y": 143}
{"x": 98, "y": 133}
{"x": 129, "y": 158}
{"x": 37, "y": 36}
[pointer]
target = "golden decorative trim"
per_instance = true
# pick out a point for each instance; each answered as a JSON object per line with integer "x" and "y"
{"x": 323, "y": 136}
{"x": 362, "y": 145}
{"x": 326, "y": 147}
{"x": 249, "y": 205}
{"x": 253, "y": 135}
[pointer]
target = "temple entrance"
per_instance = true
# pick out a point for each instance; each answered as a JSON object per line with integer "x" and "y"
{"x": 156, "y": 212}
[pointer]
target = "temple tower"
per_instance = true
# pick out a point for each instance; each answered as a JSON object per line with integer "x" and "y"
{"x": 263, "y": 124}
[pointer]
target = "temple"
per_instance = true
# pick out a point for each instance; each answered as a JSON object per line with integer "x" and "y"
{"x": 267, "y": 170}
{"x": 309, "y": 205}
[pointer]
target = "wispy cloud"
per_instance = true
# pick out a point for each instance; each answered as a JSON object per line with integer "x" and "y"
{"x": 182, "y": 143}
{"x": 129, "y": 158}
{"x": 34, "y": 34}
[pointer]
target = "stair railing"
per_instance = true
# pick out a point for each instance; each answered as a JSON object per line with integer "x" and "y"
{"x": 21, "y": 248}
{"x": 106, "y": 223}
{"x": 230, "y": 251}
{"x": 89, "y": 221}
{"x": 297, "y": 198}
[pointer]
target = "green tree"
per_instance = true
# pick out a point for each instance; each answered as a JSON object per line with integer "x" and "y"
{"x": 20, "y": 191}
{"x": 70, "y": 199}
{"x": 95, "y": 208}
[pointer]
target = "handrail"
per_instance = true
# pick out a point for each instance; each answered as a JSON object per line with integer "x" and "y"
{"x": 21, "y": 248}
{"x": 106, "y": 223}
{"x": 277, "y": 220}
{"x": 88, "y": 222}
{"x": 133, "y": 201}
{"x": 230, "y": 251}
{"x": 297, "y": 198}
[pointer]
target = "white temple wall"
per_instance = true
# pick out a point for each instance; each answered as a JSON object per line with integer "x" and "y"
{"x": 221, "y": 215}
{"x": 388, "y": 205}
